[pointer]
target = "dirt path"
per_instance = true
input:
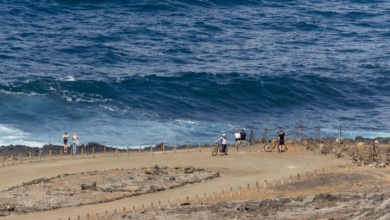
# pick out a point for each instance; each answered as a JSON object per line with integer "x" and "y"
{"x": 236, "y": 169}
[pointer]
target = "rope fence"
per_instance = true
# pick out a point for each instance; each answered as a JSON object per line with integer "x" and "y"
{"x": 239, "y": 146}
{"x": 30, "y": 157}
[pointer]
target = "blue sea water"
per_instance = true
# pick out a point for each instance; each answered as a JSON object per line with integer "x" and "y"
{"x": 139, "y": 73}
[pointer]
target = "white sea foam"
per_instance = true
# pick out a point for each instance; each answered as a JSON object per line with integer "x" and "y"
{"x": 108, "y": 108}
{"x": 69, "y": 79}
{"x": 353, "y": 134}
{"x": 12, "y": 136}
{"x": 181, "y": 121}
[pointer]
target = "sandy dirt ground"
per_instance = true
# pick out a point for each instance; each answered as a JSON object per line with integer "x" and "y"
{"x": 327, "y": 187}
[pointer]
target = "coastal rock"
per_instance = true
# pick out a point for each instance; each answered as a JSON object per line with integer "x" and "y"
{"x": 81, "y": 188}
{"x": 7, "y": 207}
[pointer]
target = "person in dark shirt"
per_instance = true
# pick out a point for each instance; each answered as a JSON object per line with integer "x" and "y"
{"x": 243, "y": 134}
{"x": 65, "y": 140}
{"x": 281, "y": 146}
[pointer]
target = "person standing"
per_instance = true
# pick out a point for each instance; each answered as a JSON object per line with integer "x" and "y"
{"x": 65, "y": 140}
{"x": 243, "y": 134}
{"x": 224, "y": 141}
{"x": 281, "y": 147}
{"x": 237, "y": 135}
{"x": 75, "y": 143}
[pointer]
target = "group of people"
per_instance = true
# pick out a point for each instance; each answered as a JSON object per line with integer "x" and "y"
{"x": 223, "y": 141}
{"x": 242, "y": 136}
{"x": 75, "y": 142}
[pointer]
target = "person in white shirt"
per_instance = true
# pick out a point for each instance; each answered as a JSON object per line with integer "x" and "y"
{"x": 75, "y": 143}
{"x": 224, "y": 141}
{"x": 237, "y": 135}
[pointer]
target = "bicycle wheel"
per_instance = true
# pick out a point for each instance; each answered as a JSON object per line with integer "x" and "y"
{"x": 268, "y": 147}
{"x": 215, "y": 151}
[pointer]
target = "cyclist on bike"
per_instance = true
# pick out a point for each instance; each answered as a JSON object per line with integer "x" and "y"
{"x": 224, "y": 141}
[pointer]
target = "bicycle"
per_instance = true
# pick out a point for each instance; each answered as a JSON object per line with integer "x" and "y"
{"x": 271, "y": 145}
{"x": 218, "y": 148}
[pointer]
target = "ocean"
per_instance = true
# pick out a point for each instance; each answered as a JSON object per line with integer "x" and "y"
{"x": 139, "y": 73}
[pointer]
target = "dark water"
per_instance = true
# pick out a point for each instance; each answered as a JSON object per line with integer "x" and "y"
{"x": 130, "y": 73}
